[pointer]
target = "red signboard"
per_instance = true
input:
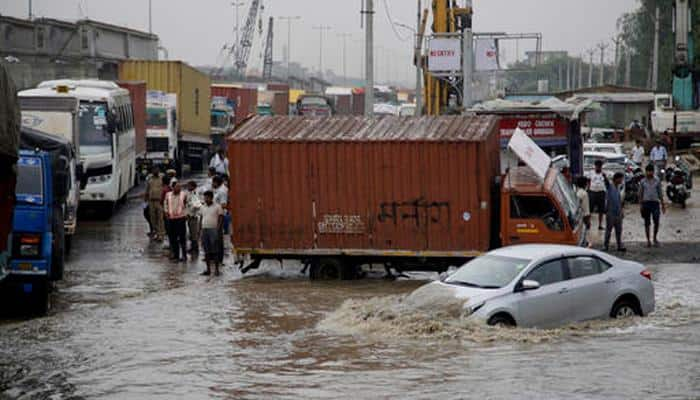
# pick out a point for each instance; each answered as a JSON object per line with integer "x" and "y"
{"x": 536, "y": 127}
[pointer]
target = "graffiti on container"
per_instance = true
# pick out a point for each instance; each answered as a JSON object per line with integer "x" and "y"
{"x": 420, "y": 210}
{"x": 341, "y": 224}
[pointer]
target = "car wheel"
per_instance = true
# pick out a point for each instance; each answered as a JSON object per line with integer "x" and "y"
{"x": 625, "y": 309}
{"x": 501, "y": 321}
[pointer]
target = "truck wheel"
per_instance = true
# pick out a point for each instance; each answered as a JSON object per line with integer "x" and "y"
{"x": 58, "y": 246}
{"x": 40, "y": 300}
{"x": 326, "y": 269}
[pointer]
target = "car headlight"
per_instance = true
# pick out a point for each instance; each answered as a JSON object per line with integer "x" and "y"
{"x": 100, "y": 178}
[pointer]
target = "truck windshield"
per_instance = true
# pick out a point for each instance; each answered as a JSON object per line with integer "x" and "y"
{"x": 93, "y": 125}
{"x": 565, "y": 194}
{"x": 157, "y": 118}
{"x": 219, "y": 119}
{"x": 29, "y": 188}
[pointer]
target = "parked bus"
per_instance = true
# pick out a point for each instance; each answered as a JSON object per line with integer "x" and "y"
{"x": 106, "y": 137}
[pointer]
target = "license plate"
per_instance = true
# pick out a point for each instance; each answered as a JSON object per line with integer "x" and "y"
{"x": 25, "y": 266}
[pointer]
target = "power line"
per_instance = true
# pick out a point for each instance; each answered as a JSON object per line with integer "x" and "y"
{"x": 392, "y": 23}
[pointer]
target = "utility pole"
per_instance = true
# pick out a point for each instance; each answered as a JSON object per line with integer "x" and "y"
{"x": 617, "y": 40}
{"x": 590, "y": 67}
{"x": 568, "y": 73}
{"x": 289, "y": 20}
{"x": 580, "y": 71}
{"x": 31, "y": 14}
{"x": 369, "y": 57}
{"x": 344, "y": 36}
{"x": 601, "y": 79}
{"x": 655, "y": 61}
{"x": 467, "y": 59}
{"x": 321, "y": 29}
{"x": 417, "y": 57}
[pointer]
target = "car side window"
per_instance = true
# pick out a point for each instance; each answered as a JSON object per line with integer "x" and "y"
{"x": 548, "y": 273}
{"x": 580, "y": 267}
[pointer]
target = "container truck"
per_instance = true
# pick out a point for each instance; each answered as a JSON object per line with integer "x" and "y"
{"x": 245, "y": 100}
{"x": 188, "y": 137}
{"x": 56, "y": 116}
{"x": 223, "y": 119}
{"x": 410, "y": 193}
{"x": 9, "y": 146}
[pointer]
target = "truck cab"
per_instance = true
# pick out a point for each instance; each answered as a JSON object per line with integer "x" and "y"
{"x": 162, "y": 135}
{"x": 539, "y": 211}
{"x": 223, "y": 118}
{"x": 36, "y": 241}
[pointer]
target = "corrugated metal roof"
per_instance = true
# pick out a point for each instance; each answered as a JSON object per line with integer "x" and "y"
{"x": 357, "y": 128}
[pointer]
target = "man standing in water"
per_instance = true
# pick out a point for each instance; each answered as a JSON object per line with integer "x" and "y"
{"x": 154, "y": 191}
{"x": 176, "y": 211}
{"x": 193, "y": 217}
{"x": 596, "y": 192}
{"x": 651, "y": 203}
{"x": 614, "y": 214}
{"x": 212, "y": 232}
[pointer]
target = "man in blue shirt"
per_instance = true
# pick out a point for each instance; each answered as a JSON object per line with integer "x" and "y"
{"x": 614, "y": 214}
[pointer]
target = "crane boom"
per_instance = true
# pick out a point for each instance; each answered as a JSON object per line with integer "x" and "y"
{"x": 267, "y": 66}
{"x": 243, "y": 48}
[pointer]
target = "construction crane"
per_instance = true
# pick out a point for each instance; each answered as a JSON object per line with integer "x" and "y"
{"x": 242, "y": 49}
{"x": 267, "y": 64}
{"x": 448, "y": 18}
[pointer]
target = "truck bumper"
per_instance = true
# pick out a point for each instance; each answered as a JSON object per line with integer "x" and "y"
{"x": 29, "y": 268}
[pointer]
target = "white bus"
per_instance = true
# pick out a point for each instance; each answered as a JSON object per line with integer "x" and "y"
{"x": 106, "y": 137}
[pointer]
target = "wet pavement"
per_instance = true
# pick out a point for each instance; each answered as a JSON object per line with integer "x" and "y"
{"x": 126, "y": 323}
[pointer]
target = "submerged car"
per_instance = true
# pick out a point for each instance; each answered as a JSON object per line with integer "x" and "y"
{"x": 545, "y": 286}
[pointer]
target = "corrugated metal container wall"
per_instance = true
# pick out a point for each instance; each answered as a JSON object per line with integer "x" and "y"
{"x": 278, "y": 87}
{"x": 356, "y": 183}
{"x": 280, "y": 103}
{"x": 191, "y": 86}
{"x": 246, "y": 99}
{"x": 358, "y": 104}
{"x": 343, "y": 104}
{"x": 137, "y": 89}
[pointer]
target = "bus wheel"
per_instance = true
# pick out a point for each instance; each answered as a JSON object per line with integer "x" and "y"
{"x": 40, "y": 300}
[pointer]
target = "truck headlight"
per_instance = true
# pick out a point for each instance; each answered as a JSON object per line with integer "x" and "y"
{"x": 99, "y": 178}
{"x": 29, "y": 245}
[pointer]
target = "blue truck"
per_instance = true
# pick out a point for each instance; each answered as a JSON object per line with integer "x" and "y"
{"x": 37, "y": 240}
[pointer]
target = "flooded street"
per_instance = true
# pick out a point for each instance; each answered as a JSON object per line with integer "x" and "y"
{"x": 126, "y": 323}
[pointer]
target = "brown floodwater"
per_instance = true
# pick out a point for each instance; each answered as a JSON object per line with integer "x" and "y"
{"x": 126, "y": 323}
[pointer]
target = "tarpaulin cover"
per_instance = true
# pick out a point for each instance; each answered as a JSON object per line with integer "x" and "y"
{"x": 10, "y": 120}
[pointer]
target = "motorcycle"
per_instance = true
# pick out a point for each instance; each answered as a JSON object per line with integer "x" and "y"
{"x": 680, "y": 182}
{"x": 632, "y": 179}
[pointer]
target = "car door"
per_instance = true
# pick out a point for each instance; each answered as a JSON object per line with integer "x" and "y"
{"x": 588, "y": 285}
{"x": 549, "y": 305}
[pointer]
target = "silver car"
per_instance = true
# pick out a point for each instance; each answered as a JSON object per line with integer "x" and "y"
{"x": 546, "y": 286}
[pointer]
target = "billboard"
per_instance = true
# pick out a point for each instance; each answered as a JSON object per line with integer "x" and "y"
{"x": 486, "y": 51}
{"x": 445, "y": 54}
{"x": 534, "y": 126}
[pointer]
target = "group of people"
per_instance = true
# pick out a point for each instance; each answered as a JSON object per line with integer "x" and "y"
{"x": 172, "y": 210}
{"x": 598, "y": 194}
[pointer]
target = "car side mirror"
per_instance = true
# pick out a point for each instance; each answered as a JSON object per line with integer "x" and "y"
{"x": 528, "y": 285}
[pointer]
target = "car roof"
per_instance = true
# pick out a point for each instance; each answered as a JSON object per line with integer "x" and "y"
{"x": 602, "y": 154}
{"x": 536, "y": 252}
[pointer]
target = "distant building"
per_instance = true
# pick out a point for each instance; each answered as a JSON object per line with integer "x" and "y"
{"x": 620, "y": 105}
{"x": 534, "y": 58}
{"x": 46, "y": 48}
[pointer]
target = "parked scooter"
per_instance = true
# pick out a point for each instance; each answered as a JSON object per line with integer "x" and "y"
{"x": 632, "y": 179}
{"x": 680, "y": 182}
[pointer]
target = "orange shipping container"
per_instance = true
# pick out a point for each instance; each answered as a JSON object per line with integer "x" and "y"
{"x": 137, "y": 91}
{"x": 355, "y": 185}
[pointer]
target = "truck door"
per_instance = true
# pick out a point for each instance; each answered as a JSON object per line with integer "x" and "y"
{"x": 533, "y": 219}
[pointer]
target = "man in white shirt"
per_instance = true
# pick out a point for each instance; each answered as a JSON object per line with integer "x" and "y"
{"x": 658, "y": 156}
{"x": 596, "y": 192}
{"x": 219, "y": 162}
{"x": 638, "y": 153}
{"x": 212, "y": 232}
{"x": 193, "y": 205}
{"x": 582, "y": 194}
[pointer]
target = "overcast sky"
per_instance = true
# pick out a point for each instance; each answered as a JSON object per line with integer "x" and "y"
{"x": 196, "y": 30}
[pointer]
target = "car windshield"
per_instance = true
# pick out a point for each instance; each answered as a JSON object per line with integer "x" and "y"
{"x": 29, "y": 187}
{"x": 488, "y": 272}
{"x": 314, "y": 101}
{"x": 93, "y": 125}
{"x": 157, "y": 118}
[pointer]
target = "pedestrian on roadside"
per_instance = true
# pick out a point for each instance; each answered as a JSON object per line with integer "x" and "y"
{"x": 212, "y": 232}
{"x": 219, "y": 162}
{"x": 193, "y": 205}
{"x": 638, "y": 153}
{"x": 153, "y": 196}
{"x": 176, "y": 211}
{"x": 582, "y": 194}
{"x": 596, "y": 192}
{"x": 651, "y": 203}
{"x": 166, "y": 221}
{"x": 614, "y": 214}
{"x": 221, "y": 198}
{"x": 658, "y": 156}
